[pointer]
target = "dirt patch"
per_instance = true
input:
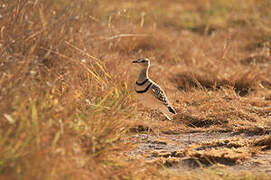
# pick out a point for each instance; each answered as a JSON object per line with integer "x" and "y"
{"x": 264, "y": 143}
{"x": 192, "y": 150}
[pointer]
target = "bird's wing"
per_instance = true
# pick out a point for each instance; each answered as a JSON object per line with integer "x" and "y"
{"x": 159, "y": 94}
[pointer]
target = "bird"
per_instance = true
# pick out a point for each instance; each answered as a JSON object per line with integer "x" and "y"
{"x": 150, "y": 93}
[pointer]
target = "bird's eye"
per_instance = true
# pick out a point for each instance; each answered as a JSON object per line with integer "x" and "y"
{"x": 144, "y": 61}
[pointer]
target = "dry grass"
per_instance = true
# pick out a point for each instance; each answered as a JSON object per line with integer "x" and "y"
{"x": 66, "y": 106}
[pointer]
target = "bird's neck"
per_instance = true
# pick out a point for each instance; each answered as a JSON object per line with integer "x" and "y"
{"x": 143, "y": 75}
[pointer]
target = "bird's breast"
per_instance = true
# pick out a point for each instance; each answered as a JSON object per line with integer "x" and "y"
{"x": 141, "y": 89}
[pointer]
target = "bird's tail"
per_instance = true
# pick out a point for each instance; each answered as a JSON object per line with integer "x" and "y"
{"x": 171, "y": 110}
{"x": 168, "y": 111}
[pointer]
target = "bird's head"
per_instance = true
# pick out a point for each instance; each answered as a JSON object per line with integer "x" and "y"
{"x": 144, "y": 62}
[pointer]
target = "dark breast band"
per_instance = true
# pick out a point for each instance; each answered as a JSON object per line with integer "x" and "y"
{"x": 142, "y": 83}
{"x": 146, "y": 89}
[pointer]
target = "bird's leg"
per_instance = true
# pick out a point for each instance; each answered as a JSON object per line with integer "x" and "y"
{"x": 152, "y": 116}
{"x": 149, "y": 127}
{"x": 159, "y": 119}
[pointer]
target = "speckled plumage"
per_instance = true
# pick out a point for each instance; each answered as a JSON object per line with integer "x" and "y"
{"x": 150, "y": 93}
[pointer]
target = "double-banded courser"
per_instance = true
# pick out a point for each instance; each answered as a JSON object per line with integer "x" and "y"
{"x": 149, "y": 93}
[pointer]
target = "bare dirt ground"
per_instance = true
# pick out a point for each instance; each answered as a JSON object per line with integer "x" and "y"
{"x": 172, "y": 150}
